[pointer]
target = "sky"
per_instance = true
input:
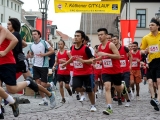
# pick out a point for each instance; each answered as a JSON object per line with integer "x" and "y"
{"x": 67, "y": 23}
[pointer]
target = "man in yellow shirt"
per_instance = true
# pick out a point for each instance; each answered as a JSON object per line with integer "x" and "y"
{"x": 152, "y": 42}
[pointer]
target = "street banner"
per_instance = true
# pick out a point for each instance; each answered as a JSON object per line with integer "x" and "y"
{"x": 39, "y": 26}
{"x": 63, "y": 6}
{"x": 128, "y": 29}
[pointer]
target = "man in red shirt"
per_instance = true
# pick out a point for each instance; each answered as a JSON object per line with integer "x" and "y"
{"x": 125, "y": 66}
{"x": 111, "y": 71}
{"x": 82, "y": 59}
{"x": 135, "y": 74}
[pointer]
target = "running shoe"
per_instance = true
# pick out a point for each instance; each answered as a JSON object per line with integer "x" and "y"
{"x": 2, "y": 109}
{"x": 82, "y": 98}
{"x": 77, "y": 96}
{"x": 63, "y": 100}
{"x": 1, "y": 116}
{"x": 155, "y": 104}
{"x": 108, "y": 111}
{"x": 52, "y": 100}
{"x": 119, "y": 102}
{"x": 43, "y": 103}
{"x": 131, "y": 95}
{"x": 127, "y": 104}
{"x": 115, "y": 98}
{"x": 93, "y": 109}
{"x": 15, "y": 108}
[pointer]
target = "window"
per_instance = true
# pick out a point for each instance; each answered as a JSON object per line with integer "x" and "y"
{"x": 11, "y": 4}
{"x": 1, "y": 17}
{"x": 2, "y": 2}
{"x": 7, "y": 3}
{"x": 18, "y": 8}
{"x": 141, "y": 16}
{"x": 15, "y": 6}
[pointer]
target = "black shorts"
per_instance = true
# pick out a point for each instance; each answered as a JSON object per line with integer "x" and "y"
{"x": 22, "y": 66}
{"x": 115, "y": 79}
{"x": 154, "y": 69}
{"x": 85, "y": 80}
{"x": 40, "y": 73}
{"x": 8, "y": 74}
{"x": 126, "y": 78}
{"x": 64, "y": 78}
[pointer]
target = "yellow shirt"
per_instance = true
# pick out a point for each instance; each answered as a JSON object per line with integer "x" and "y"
{"x": 153, "y": 44}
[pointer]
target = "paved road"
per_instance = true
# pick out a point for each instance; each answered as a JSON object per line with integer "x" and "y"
{"x": 74, "y": 110}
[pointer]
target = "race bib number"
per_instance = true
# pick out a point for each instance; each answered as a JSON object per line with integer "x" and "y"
{"x": 153, "y": 48}
{"x": 98, "y": 66}
{"x": 134, "y": 64}
{"x": 107, "y": 63}
{"x": 61, "y": 68}
{"x": 123, "y": 63}
{"x": 77, "y": 64}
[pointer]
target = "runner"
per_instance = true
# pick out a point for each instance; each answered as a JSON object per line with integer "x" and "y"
{"x": 111, "y": 71}
{"x": 109, "y": 37}
{"x": 63, "y": 74}
{"x": 151, "y": 41}
{"x": 97, "y": 73}
{"x": 135, "y": 74}
{"x": 125, "y": 66}
{"x": 82, "y": 60}
{"x": 41, "y": 49}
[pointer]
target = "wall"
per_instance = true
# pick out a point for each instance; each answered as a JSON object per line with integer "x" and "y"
{"x": 151, "y": 9}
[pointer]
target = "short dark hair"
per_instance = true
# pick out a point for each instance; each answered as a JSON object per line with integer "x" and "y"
{"x": 82, "y": 33}
{"x": 86, "y": 38}
{"x": 39, "y": 33}
{"x": 135, "y": 43}
{"x": 110, "y": 34}
{"x": 96, "y": 46}
{"x": 16, "y": 25}
{"x": 116, "y": 36}
{"x": 62, "y": 41}
{"x": 103, "y": 29}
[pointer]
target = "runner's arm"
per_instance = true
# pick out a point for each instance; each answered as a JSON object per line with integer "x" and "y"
{"x": 5, "y": 34}
{"x": 24, "y": 44}
{"x": 115, "y": 51}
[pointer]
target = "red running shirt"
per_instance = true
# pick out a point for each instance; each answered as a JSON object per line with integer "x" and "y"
{"x": 8, "y": 58}
{"x": 109, "y": 66}
{"x": 61, "y": 59}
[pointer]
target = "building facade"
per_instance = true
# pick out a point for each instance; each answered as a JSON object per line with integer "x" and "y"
{"x": 10, "y": 8}
{"x": 143, "y": 12}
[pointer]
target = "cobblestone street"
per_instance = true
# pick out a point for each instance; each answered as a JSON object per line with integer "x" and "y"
{"x": 75, "y": 110}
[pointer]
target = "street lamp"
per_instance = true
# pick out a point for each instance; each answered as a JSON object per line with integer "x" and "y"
{"x": 43, "y": 7}
{"x": 49, "y": 27}
{"x": 158, "y": 13}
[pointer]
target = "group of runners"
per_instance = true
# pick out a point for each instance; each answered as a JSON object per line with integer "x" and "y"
{"x": 116, "y": 68}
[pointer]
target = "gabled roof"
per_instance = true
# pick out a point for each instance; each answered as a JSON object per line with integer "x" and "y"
{"x": 63, "y": 36}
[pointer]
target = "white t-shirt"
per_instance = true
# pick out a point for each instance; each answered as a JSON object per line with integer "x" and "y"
{"x": 37, "y": 49}
{"x": 92, "y": 50}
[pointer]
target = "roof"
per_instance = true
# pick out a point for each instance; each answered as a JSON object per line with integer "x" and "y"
{"x": 20, "y": 1}
{"x": 62, "y": 35}
{"x": 99, "y": 21}
{"x": 23, "y": 20}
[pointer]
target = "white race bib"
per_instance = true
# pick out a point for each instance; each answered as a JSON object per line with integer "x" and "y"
{"x": 134, "y": 64}
{"x": 77, "y": 64}
{"x": 61, "y": 68}
{"x": 107, "y": 63}
{"x": 153, "y": 48}
{"x": 123, "y": 63}
{"x": 98, "y": 66}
